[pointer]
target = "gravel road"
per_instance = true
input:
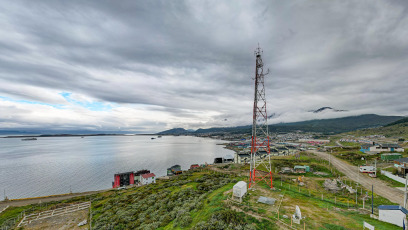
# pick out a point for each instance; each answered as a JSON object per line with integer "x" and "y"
{"x": 380, "y": 187}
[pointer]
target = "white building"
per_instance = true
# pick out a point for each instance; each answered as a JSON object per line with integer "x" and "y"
{"x": 393, "y": 214}
{"x": 377, "y": 148}
{"x": 148, "y": 178}
{"x": 239, "y": 190}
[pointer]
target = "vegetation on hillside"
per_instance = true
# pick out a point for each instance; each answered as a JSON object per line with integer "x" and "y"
{"x": 185, "y": 201}
{"x": 335, "y": 125}
{"x": 398, "y": 131}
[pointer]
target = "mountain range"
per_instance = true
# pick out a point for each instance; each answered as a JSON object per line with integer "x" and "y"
{"x": 335, "y": 125}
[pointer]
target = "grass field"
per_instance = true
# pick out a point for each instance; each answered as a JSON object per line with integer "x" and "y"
{"x": 202, "y": 200}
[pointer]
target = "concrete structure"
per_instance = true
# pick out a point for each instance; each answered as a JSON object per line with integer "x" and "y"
{"x": 239, "y": 190}
{"x": 228, "y": 159}
{"x": 266, "y": 200}
{"x": 402, "y": 165}
{"x": 378, "y": 148}
{"x": 367, "y": 169}
{"x": 148, "y": 178}
{"x": 393, "y": 214}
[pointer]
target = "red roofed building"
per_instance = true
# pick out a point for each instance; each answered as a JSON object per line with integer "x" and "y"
{"x": 194, "y": 166}
{"x": 148, "y": 178}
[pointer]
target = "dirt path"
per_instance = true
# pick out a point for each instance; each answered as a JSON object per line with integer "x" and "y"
{"x": 381, "y": 188}
{"x": 28, "y": 201}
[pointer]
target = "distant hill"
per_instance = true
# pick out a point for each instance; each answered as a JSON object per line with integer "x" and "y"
{"x": 397, "y": 129}
{"x": 335, "y": 125}
{"x": 176, "y": 131}
{"x": 403, "y": 121}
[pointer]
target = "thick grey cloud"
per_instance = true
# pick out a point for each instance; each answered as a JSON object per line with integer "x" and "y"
{"x": 164, "y": 64}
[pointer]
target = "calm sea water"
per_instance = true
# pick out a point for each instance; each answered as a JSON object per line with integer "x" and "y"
{"x": 51, "y": 165}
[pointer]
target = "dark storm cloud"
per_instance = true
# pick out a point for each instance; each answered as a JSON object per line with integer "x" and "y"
{"x": 192, "y": 61}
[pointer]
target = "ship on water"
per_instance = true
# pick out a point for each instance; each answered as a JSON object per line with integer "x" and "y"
{"x": 29, "y": 139}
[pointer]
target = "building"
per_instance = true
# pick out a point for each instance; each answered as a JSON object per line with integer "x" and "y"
{"x": 301, "y": 168}
{"x": 239, "y": 190}
{"x": 228, "y": 159}
{"x": 282, "y": 150}
{"x": 377, "y": 148}
{"x": 402, "y": 165}
{"x": 123, "y": 179}
{"x": 242, "y": 158}
{"x": 195, "y": 166}
{"x": 218, "y": 160}
{"x": 314, "y": 141}
{"x": 139, "y": 173}
{"x": 390, "y": 156}
{"x": 147, "y": 178}
{"x": 174, "y": 170}
{"x": 393, "y": 214}
{"x": 367, "y": 169}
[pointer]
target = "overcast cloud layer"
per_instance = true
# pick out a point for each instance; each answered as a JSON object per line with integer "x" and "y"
{"x": 146, "y": 66}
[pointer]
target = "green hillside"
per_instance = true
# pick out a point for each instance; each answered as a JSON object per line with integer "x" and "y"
{"x": 397, "y": 129}
{"x": 330, "y": 126}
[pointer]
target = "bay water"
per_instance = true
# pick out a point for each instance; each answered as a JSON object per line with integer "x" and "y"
{"x": 56, "y": 165}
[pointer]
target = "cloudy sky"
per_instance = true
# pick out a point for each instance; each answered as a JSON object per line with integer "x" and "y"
{"x": 146, "y": 66}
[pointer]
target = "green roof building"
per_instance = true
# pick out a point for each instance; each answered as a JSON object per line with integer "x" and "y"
{"x": 390, "y": 156}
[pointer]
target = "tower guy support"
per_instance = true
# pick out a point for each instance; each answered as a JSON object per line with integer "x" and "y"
{"x": 260, "y": 164}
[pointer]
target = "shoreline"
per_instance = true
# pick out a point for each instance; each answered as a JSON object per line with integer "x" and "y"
{"x": 57, "y": 197}
{"x": 76, "y": 135}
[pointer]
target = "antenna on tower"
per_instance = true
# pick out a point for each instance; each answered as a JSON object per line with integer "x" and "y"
{"x": 260, "y": 162}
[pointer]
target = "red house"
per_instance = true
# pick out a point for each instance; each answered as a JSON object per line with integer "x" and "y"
{"x": 194, "y": 166}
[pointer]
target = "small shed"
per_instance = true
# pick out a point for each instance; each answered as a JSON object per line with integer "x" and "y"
{"x": 300, "y": 168}
{"x": 393, "y": 214}
{"x": 239, "y": 189}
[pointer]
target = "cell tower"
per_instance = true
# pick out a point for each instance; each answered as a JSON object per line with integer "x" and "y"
{"x": 260, "y": 169}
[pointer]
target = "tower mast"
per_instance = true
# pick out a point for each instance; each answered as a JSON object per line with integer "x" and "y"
{"x": 260, "y": 163}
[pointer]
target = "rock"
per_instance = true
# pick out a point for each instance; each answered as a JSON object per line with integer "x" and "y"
{"x": 82, "y": 223}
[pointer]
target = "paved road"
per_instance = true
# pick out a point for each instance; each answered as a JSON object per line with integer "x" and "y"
{"x": 381, "y": 188}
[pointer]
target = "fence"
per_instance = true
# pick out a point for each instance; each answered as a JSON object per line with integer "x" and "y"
{"x": 391, "y": 176}
{"x": 11, "y": 223}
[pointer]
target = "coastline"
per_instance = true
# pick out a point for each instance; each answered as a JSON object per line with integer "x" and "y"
{"x": 57, "y": 197}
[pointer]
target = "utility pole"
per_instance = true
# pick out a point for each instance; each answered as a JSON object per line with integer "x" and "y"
{"x": 375, "y": 166}
{"x": 372, "y": 199}
{"x": 405, "y": 191}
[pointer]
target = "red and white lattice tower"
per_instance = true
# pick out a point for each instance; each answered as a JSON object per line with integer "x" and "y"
{"x": 260, "y": 169}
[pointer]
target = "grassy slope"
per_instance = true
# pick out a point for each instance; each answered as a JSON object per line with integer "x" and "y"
{"x": 127, "y": 206}
{"x": 399, "y": 130}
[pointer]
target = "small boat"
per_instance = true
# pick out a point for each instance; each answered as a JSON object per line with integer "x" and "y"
{"x": 159, "y": 136}
{"x": 152, "y": 138}
{"x": 29, "y": 139}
